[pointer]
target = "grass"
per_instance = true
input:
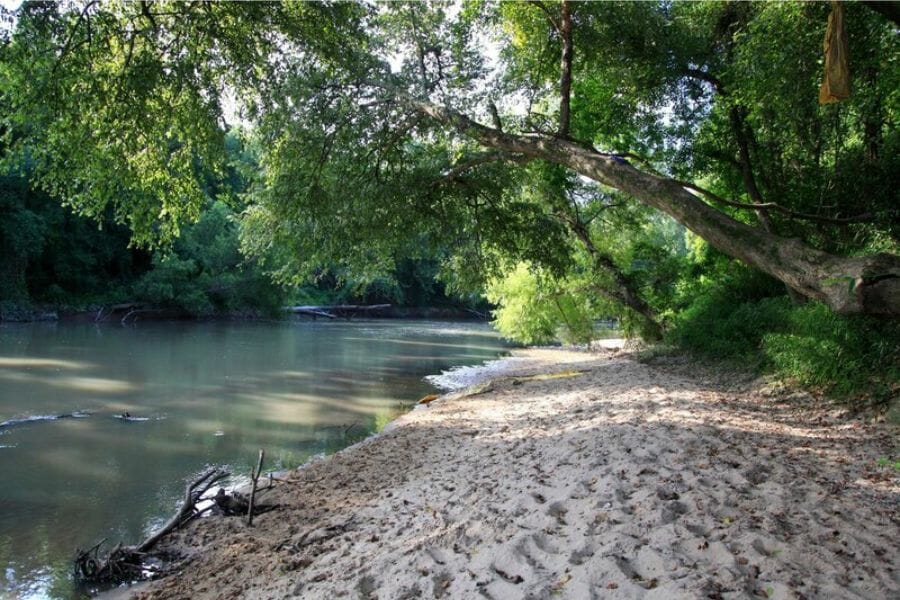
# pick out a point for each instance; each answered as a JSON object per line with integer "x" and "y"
{"x": 851, "y": 358}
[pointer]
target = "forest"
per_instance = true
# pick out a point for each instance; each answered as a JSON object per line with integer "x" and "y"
{"x": 680, "y": 167}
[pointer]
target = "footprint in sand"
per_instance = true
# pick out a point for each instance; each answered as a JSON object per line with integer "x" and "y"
{"x": 558, "y": 511}
{"x": 671, "y": 511}
{"x": 545, "y": 543}
{"x": 441, "y": 583}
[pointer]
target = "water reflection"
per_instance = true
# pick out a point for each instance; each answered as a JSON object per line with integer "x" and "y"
{"x": 211, "y": 393}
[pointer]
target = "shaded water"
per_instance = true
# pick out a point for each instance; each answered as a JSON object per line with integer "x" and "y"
{"x": 209, "y": 393}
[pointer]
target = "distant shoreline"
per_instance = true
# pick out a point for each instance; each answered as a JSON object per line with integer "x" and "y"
{"x": 51, "y": 314}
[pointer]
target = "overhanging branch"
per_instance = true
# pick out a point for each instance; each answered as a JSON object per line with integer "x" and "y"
{"x": 874, "y": 281}
{"x": 481, "y": 159}
{"x": 861, "y": 218}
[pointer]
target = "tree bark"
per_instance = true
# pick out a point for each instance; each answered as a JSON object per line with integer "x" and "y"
{"x": 867, "y": 284}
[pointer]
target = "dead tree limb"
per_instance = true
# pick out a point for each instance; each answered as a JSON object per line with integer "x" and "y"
{"x": 137, "y": 311}
{"x": 192, "y": 495}
{"x": 125, "y": 563}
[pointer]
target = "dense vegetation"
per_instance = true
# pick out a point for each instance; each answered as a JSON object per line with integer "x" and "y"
{"x": 54, "y": 260}
{"x": 665, "y": 163}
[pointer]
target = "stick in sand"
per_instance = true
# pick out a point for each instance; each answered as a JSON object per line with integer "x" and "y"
{"x": 255, "y": 477}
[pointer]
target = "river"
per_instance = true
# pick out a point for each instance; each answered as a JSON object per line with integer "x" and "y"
{"x": 197, "y": 394}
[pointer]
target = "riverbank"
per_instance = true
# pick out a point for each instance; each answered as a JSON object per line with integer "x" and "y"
{"x": 130, "y": 313}
{"x": 576, "y": 475}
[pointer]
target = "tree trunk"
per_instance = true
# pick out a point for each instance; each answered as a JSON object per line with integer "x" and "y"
{"x": 868, "y": 284}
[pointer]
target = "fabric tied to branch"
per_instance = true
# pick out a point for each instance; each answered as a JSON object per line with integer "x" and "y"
{"x": 836, "y": 83}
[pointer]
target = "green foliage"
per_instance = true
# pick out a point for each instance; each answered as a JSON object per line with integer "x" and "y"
{"x": 341, "y": 183}
{"x": 205, "y": 274}
{"x": 119, "y": 103}
{"x": 533, "y": 308}
{"x": 844, "y": 355}
{"x": 739, "y": 320}
{"x": 47, "y": 254}
{"x": 885, "y": 463}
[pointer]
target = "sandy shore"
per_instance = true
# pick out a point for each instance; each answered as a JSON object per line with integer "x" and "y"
{"x": 610, "y": 479}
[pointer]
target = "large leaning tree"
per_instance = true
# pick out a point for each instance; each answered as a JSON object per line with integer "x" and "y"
{"x": 386, "y": 129}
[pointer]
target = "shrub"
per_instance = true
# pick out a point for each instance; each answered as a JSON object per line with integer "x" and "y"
{"x": 845, "y": 356}
{"x": 536, "y": 310}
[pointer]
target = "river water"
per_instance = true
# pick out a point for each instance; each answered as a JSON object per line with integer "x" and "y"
{"x": 197, "y": 394}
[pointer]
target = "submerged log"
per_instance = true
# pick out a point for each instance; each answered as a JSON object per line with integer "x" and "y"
{"x": 311, "y": 311}
{"x": 335, "y": 310}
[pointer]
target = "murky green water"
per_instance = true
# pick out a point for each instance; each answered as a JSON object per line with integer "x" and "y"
{"x": 210, "y": 393}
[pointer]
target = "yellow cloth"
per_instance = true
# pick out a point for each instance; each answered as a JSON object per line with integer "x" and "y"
{"x": 836, "y": 83}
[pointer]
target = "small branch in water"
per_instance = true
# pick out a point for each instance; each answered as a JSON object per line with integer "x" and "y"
{"x": 192, "y": 495}
{"x": 137, "y": 311}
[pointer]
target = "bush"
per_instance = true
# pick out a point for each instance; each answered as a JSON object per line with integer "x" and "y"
{"x": 847, "y": 357}
{"x": 536, "y": 310}
{"x": 205, "y": 274}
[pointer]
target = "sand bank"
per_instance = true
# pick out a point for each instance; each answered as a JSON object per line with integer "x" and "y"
{"x": 576, "y": 475}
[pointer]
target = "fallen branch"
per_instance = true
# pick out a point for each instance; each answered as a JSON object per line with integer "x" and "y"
{"x": 102, "y": 316}
{"x": 332, "y": 311}
{"x": 312, "y": 311}
{"x": 137, "y": 311}
{"x": 192, "y": 495}
{"x": 125, "y": 563}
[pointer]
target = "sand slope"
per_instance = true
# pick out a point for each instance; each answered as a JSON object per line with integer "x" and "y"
{"x": 624, "y": 481}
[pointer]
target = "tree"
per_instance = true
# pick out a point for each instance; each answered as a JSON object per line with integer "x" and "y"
{"x": 365, "y": 161}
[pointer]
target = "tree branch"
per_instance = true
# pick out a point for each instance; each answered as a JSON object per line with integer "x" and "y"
{"x": 495, "y": 116}
{"x": 875, "y": 279}
{"x": 861, "y": 218}
{"x": 480, "y": 159}
{"x": 67, "y": 46}
{"x": 625, "y": 292}
{"x": 547, "y": 12}
{"x": 565, "y": 67}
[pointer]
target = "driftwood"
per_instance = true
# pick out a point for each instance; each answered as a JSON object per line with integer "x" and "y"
{"x": 78, "y": 414}
{"x": 334, "y": 311}
{"x": 102, "y": 316}
{"x": 137, "y": 311}
{"x": 125, "y": 563}
{"x": 231, "y": 504}
{"x": 188, "y": 510}
{"x": 310, "y": 311}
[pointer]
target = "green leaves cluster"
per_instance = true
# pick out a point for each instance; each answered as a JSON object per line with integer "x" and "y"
{"x": 535, "y": 308}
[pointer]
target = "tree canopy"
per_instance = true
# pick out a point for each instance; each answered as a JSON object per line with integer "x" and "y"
{"x": 489, "y": 134}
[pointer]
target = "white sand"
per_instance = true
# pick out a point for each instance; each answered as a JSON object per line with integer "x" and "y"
{"x": 625, "y": 481}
